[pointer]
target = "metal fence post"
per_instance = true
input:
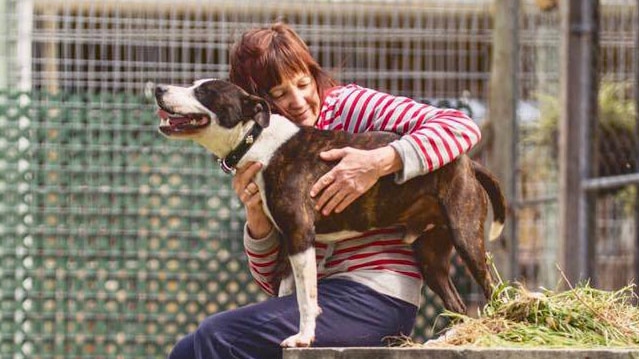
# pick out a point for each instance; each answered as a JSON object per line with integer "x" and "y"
{"x": 636, "y": 90}
{"x": 578, "y": 98}
{"x": 502, "y": 109}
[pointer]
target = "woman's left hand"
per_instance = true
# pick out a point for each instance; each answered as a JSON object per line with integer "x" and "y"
{"x": 356, "y": 173}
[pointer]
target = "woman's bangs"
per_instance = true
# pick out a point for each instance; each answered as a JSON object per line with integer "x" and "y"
{"x": 284, "y": 66}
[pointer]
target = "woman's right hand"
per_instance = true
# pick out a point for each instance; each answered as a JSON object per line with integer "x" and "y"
{"x": 258, "y": 224}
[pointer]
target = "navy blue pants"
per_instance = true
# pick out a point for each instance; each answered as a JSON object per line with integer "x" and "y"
{"x": 352, "y": 315}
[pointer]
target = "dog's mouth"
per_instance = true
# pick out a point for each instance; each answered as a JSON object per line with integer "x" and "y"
{"x": 175, "y": 124}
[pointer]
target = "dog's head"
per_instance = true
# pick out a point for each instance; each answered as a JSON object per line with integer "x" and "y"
{"x": 186, "y": 112}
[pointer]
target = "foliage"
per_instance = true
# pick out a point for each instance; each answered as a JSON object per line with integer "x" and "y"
{"x": 616, "y": 113}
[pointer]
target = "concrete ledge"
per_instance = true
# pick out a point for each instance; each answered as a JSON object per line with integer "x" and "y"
{"x": 457, "y": 353}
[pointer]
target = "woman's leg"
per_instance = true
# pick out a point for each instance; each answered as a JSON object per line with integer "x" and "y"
{"x": 352, "y": 315}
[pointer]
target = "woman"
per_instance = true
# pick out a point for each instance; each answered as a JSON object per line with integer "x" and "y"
{"x": 369, "y": 285}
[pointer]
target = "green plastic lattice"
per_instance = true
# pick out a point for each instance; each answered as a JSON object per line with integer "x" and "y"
{"x": 115, "y": 242}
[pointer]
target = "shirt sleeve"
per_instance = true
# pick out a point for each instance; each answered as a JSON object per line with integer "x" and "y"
{"x": 262, "y": 259}
{"x": 431, "y": 137}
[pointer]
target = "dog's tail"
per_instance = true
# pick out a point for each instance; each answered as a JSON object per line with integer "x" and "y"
{"x": 496, "y": 197}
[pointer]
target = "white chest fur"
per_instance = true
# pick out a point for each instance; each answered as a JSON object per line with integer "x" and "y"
{"x": 272, "y": 137}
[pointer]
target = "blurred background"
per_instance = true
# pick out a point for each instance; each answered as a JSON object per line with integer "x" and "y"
{"x": 115, "y": 242}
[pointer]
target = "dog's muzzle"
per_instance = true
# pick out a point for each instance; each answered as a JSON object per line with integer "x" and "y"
{"x": 180, "y": 124}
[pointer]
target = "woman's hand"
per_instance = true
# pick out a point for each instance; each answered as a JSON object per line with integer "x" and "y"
{"x": 258, "y": 224}
{"x": 356, "y": 173}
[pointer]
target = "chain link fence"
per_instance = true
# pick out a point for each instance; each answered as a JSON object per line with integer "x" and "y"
{"x": 614, "y": 147}
{"x": 115, "y": 242}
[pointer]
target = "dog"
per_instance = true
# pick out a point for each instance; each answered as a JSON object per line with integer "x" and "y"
{"x": 443, "y": 209}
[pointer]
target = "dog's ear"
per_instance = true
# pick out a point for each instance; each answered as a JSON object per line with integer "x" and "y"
{"x": 259, "y": 110}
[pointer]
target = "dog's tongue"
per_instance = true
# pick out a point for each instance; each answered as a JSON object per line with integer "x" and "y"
{"x": 162, "y": 114}
{"x": 173, "y": 120}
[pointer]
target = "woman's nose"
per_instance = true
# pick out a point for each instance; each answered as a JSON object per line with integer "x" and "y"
{"x": 297, "y": 99}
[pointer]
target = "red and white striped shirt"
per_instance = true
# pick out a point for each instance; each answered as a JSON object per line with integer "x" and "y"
{"x": 431, "y": 138}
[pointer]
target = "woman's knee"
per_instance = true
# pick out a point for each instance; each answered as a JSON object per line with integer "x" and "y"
{"x": 216, "y": 325}
{"x": 214, "y": 334}
{"x": 210, "y": 337}
{"x": 184, "y": 349}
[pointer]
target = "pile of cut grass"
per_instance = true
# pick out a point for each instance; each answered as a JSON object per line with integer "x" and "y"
{"x": 580, "y": 317}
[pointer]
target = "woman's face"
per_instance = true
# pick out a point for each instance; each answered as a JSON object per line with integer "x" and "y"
{"x": 297, "y": 99}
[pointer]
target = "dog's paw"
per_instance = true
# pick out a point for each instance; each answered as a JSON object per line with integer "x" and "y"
{"x": 298, "y": 341}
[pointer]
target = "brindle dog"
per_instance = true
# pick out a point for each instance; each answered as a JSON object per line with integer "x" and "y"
{"x": 440, "y": 210}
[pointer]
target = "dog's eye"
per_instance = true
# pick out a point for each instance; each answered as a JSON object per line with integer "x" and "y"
{"x": 202, "y": 90}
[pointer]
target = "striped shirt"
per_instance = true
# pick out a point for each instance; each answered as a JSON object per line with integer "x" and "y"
{"x": 431, "y": 138}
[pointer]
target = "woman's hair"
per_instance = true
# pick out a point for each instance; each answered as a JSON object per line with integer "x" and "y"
{"x": 265, "y": 57}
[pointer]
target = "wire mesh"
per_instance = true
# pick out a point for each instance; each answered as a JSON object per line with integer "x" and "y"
{"x": 126, "y": 241}
{"x": 115, "y": 242}
{"x": 117, "y": 252}
{"x": 614, "y": 145}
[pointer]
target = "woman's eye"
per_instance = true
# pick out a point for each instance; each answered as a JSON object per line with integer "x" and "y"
{"x": 276, "y": 94}
{"x": 304, "y": 83}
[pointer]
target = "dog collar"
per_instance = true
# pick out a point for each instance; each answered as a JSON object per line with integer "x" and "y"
{"x": 233, "y": 158}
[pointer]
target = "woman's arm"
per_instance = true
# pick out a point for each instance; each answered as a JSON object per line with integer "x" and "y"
{"x": 258, "y": 224}
{"x": 261, "y": 241}
{"x": 262, "y": 254}
{"x": 432, "y": 138}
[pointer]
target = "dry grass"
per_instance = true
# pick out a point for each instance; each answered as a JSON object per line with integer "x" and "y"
{"x": 580, "y": 317}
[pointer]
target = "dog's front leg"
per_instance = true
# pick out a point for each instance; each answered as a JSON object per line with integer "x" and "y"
{"x": 305, "y": 275}
{"x": 287, "y": 286}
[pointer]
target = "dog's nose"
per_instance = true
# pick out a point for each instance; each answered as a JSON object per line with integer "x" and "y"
{"x": 160, "y": 90}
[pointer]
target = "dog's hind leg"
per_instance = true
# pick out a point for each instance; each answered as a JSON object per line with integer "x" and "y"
{"x": 433, "y": 250}
{"x": 466, "y": 220}
{"x": 474, "y": 256}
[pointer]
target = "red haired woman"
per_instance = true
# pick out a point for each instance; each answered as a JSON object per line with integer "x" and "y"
{"x": 369, "y": 285}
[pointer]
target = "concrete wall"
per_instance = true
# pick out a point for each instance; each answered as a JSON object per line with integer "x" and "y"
{"x": 456, "y": 353}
